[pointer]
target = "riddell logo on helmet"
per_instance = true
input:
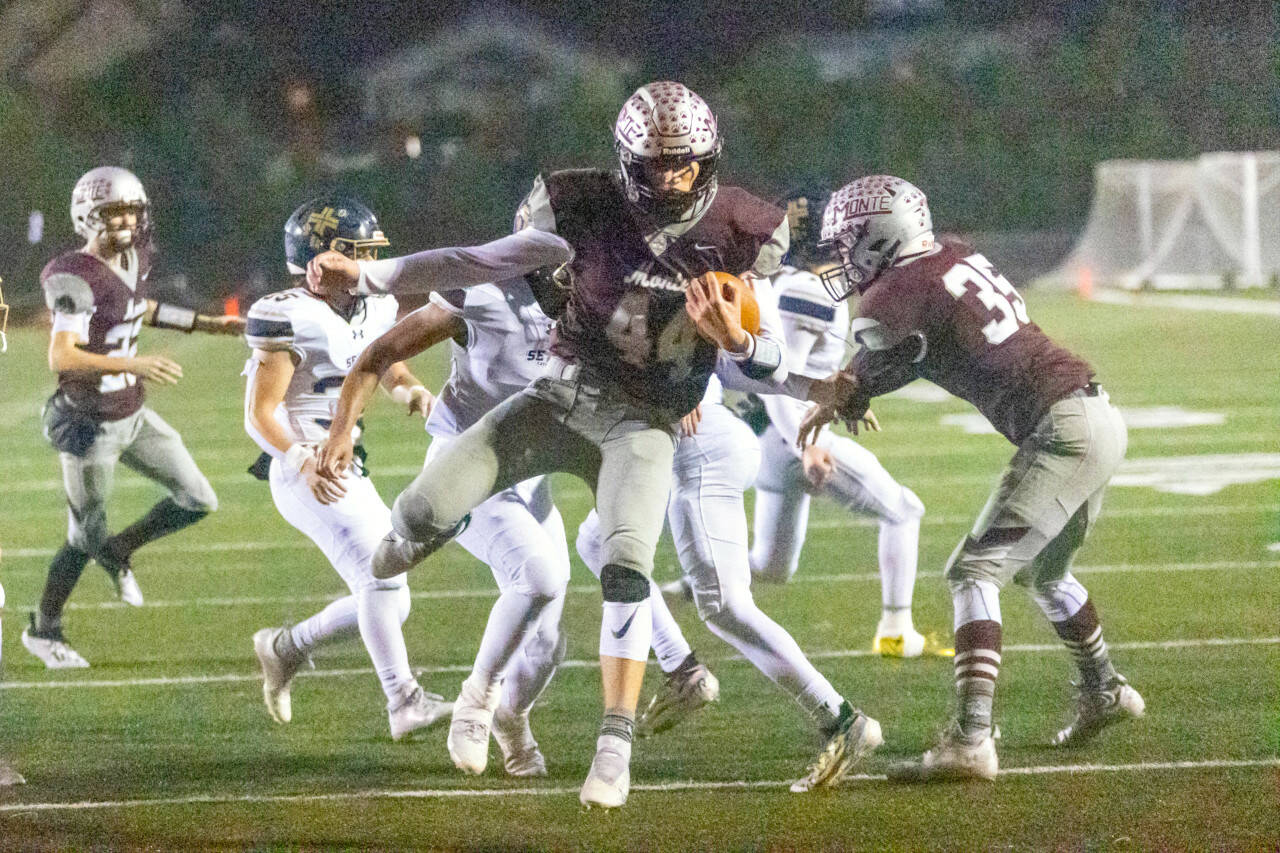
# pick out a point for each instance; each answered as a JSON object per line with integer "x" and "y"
{"x": 676, "y": 150}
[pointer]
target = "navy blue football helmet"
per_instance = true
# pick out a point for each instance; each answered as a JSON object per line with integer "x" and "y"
{"x": 336, "y": 222}
{"x": 804, "y": 218}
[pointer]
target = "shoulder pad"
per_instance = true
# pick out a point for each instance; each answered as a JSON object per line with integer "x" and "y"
{"x": 801, "y": 295}
{"x": 67, "y": 293}
{"x": 270, "y": 323}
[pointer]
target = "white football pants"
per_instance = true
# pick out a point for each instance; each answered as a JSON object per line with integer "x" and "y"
{"x": 708, "y": 522}
{"x": 348, "y": 532}
{"x": 860, "y": 484}
{"x": 520, "y": 535}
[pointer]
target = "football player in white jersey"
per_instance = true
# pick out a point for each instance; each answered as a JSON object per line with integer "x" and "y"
{"x": 304, "y": 341}
{"x": 716, "y": 461}
{"x": 500, "y": 338}
{"x": 835, "y": 466}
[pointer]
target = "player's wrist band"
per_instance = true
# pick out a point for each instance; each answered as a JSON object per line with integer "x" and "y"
{"x": 173, "y": 317}
{"x": 403, "y": 394}
{"x": 746, "y": 354}
{"x": 296, "y": 456}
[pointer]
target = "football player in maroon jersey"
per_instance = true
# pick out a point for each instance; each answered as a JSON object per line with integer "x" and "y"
{"x": 96, "y": 417}
{"x": 937, "y": 309}
{"x": 630, "y": 357}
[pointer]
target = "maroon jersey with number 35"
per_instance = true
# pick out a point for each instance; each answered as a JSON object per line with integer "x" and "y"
{"x": 979, "y": 342}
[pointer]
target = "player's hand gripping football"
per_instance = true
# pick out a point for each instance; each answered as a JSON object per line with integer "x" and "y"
{"x": 716, "y": 314}
{"x": 332, "y": 272}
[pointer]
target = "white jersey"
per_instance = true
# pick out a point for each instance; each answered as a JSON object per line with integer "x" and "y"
{"x": 815, "y": 329}
{"x": 325, "y": 345}
{"x": 507, "y": 347}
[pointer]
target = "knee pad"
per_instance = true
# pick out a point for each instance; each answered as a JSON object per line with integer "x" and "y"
{"x": 622, "y": 585}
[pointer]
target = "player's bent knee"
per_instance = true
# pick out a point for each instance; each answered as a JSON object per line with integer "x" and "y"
{"x": 622, "y": 585}
{"x": 912, "y": 506}
{"x": 414, "y": 517}
{"x": 200, "y": 499}
{"x": 773, "y": 570}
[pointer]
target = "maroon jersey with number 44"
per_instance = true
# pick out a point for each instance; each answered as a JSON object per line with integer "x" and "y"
{"x": 979, "y": 343}
{"x": 625, "y": 318}
{"x": 76, "y": 283}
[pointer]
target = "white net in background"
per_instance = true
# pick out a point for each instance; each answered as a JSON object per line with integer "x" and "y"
{"x": 1207, "y": 223}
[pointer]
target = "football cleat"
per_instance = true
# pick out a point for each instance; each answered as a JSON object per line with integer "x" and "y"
{"x": 127, "y": 589}
{"x": 396, "y": 555}
{"x": 520, "y": 753}
{"x": 609, "y": 780}
{"x": 123, "y": 580}
{"x": 954, "y": 758}
{"x": 277, "y": 673}
{"x": 911, "y": 644}
{"x": 854, "y": 736}
{"x": 421, "y": 710}
{"x": 1097, "y": 709}
{"x": 688, "y": 688}
{"x": 9, "y": 776}
{"x": 469, "y": 729}
{"x": 51, "y": 647}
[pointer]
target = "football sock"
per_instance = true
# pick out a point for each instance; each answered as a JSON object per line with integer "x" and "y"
{"x": 898, "y": 549}
{"x": 1082, "y": 634}
{"x": 620, "y": 725}
{"x": 780, "y": 524}
{"x": 162, "y": 519}
{"x": 511, "y": 619}
{"x": 977, "y": 664}
{"x": 669, "y": 644}
{"x": 339, "y": 619}
{"x": 532, "y": 667}
{"x": 64, "y": 571}
{"x": 775, "y": 653}
{"x": 894, "y": 622}
{"x": 378, "y": 612}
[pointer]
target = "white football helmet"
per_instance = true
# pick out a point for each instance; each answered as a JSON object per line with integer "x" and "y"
{"x": 110, "y": 187}
{"x": 665, "y": 125}
{"x": 872, "y": 224}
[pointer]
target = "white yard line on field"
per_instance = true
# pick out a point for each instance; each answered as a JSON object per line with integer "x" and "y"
{"x": 657, "y": 788}
{"x": 234, "y": 677}
{"x": 816, "y": 524}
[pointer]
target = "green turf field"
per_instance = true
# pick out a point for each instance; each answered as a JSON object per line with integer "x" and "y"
{"x": 164, "y": 741}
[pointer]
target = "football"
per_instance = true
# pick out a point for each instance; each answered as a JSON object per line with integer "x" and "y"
{"x": 748, "y": 307}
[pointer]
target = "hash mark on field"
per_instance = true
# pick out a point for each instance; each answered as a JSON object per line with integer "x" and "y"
{"x": 235, "y": 677}
{"x": 657, "y": 788}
